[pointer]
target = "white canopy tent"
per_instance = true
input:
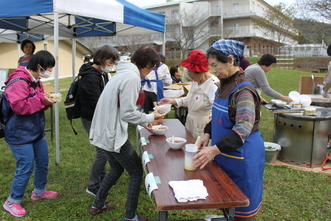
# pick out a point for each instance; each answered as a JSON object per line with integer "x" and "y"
{"x": 77, "y": 18}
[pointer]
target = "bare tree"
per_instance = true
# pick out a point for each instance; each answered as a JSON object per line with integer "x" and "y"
{"x": 189, "y": 28}
{"x": 92, "y": 42}
{"x": 315, "y": 9}
{"x": 277, "y": 23}
{"x": 130, "y": 43}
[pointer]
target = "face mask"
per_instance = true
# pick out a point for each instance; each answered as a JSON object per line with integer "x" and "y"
{"x": 46, "y": 74}
{"x": 107, "y": 69}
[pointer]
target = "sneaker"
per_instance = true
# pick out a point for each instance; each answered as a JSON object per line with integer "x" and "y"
{"x": 92, "y": 190}
{"x": 14, "y": 209}
{"x": 45, "y": 195}
{"x": 137, "y": 218}
{"x": 94, "y": 211}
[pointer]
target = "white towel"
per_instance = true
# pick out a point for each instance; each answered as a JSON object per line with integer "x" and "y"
{"x": 189, "y": 190}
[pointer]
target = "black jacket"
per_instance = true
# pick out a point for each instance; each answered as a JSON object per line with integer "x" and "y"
{"x": 91, "y": 84}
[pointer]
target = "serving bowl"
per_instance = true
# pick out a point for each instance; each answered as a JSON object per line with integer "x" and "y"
{"x": 159, "y": 129}
{"x": 165, "y": 108}
{"x": 274, "y": 101}
{"x": 280, "y": 103}
{"x": 176, "y": 143}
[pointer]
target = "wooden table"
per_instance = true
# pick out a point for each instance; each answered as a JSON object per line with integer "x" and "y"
{"x": 168, "y": 165}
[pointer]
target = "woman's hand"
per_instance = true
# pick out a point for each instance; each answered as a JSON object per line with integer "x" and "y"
{"x": 263, "y": 101}
{"x": 149, "y": 127}
{"x": 204, "y": 141}
{"x": 157, "y": 115}
{"x": 286, "y": 98}
{"x": 47, "y": 101}
{"x": 167, "y": 101}
{"x": 204, "y": 156}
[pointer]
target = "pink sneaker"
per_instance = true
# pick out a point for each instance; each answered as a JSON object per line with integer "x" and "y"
{"x": 14, "y": 209}
{"x": 45, "y": 195}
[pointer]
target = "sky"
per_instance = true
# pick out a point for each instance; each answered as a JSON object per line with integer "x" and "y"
{"x": 144, "y": 3}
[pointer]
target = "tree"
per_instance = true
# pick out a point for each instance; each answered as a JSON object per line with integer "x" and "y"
{"x": 312, "y": 31}
{"x": 277, "y": 24}
{"x": 190, "y": 27}
{"x": 314, "y": 9}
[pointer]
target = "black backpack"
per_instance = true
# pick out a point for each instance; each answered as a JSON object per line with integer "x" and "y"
{"x": 11, "y": 112}
{"x": 71, "y": 103}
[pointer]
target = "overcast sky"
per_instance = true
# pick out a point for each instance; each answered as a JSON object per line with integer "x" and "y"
{"x": 144, "y": 3}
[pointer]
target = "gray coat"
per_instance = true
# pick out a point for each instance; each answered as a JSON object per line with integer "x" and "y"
{"x": 111, "y": 118}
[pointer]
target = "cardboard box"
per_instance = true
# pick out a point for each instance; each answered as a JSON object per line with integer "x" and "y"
{"x": 178, "y": 86}
{"x": 306, "y": 84}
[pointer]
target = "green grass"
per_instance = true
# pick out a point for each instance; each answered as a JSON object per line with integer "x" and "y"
{"x": 288, "y": 194}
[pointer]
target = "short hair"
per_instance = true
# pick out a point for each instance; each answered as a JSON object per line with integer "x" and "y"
{"x": 42, "y": 58}
{"x": 162, "y": 58}
{"x": 87, "y": 58}
{"x": 173, "y": 70}
{"x": 144, "y": 56}
{"x": 104, "y": 53}
{"x": 328, "y": 51}
{"x": 267, "y": 60}
{"x": 220, "y": 56}
{"x": 25, "y": 42}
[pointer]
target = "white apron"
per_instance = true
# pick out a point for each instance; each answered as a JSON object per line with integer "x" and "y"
{"x": 198, "y": 115}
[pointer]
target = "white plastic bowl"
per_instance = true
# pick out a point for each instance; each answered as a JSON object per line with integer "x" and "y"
{"x": 295, "y": 96}
{"x": 178, "y": 142}
{"x": 280, "y": 103}
{"x": 269, "y": 146}
{"x": 165, "y": 108}
{"x": 305, "y": 100}
{"x": 273, "y": 101}
{"x": 160, "y": 129}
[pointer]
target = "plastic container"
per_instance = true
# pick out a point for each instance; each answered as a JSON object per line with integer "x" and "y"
{"x": 165, "y": 108}
{"x": 271, "y": 152}
{"x": 190, "y": 151}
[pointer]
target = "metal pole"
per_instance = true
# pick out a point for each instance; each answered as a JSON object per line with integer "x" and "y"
{"x": 73, "y": 57}
{"x": 56, "y": 84}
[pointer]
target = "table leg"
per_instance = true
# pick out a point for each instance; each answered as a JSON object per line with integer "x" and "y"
{"x": 229, "y": 213}
{"x": 163, "y": 215}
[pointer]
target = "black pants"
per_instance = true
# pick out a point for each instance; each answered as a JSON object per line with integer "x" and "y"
{"x": 150, "y": 97}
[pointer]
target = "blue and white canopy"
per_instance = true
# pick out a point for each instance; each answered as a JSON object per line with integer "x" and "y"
{"x": 79, "y": 18}
{"x": 76, "y": 18}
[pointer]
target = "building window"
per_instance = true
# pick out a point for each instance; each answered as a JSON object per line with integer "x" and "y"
{"x": 236, "y": 26}
{"x": 175, "y": 14}
{"x": 162, "y": 12}
{"x": 236, "y": 6}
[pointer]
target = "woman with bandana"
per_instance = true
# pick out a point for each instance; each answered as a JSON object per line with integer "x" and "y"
{"x": 237, "y": 145}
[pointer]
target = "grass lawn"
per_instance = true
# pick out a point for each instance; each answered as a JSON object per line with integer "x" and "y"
{"x": 288, "y": 194}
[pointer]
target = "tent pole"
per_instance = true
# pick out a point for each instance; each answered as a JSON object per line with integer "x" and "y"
{"x": 56, "y": 84}
{"x": 163, "y": 43}
{"x": 73, "y": 57}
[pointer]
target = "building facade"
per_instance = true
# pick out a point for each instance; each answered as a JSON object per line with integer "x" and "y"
{"x": 196, "y": 24}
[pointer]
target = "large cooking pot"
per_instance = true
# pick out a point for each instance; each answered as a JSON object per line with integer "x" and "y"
{"x": 319, "y": 100}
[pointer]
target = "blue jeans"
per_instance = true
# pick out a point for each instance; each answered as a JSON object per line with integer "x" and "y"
{"x": 28, "y": 157}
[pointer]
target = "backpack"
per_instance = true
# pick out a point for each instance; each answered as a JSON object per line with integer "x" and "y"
{"x": 71, "y": 103}
{"x": 2, "y": 103}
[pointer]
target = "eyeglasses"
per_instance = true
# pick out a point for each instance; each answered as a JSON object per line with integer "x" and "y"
{"x": 41, "y": 67}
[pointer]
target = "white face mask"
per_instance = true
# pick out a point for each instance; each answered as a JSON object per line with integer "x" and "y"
{"x": 46, "y": 74}
{"x": 107, "y": 69}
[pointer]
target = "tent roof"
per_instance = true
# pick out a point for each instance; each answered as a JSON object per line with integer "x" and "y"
{"x": 79, "y": 18}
